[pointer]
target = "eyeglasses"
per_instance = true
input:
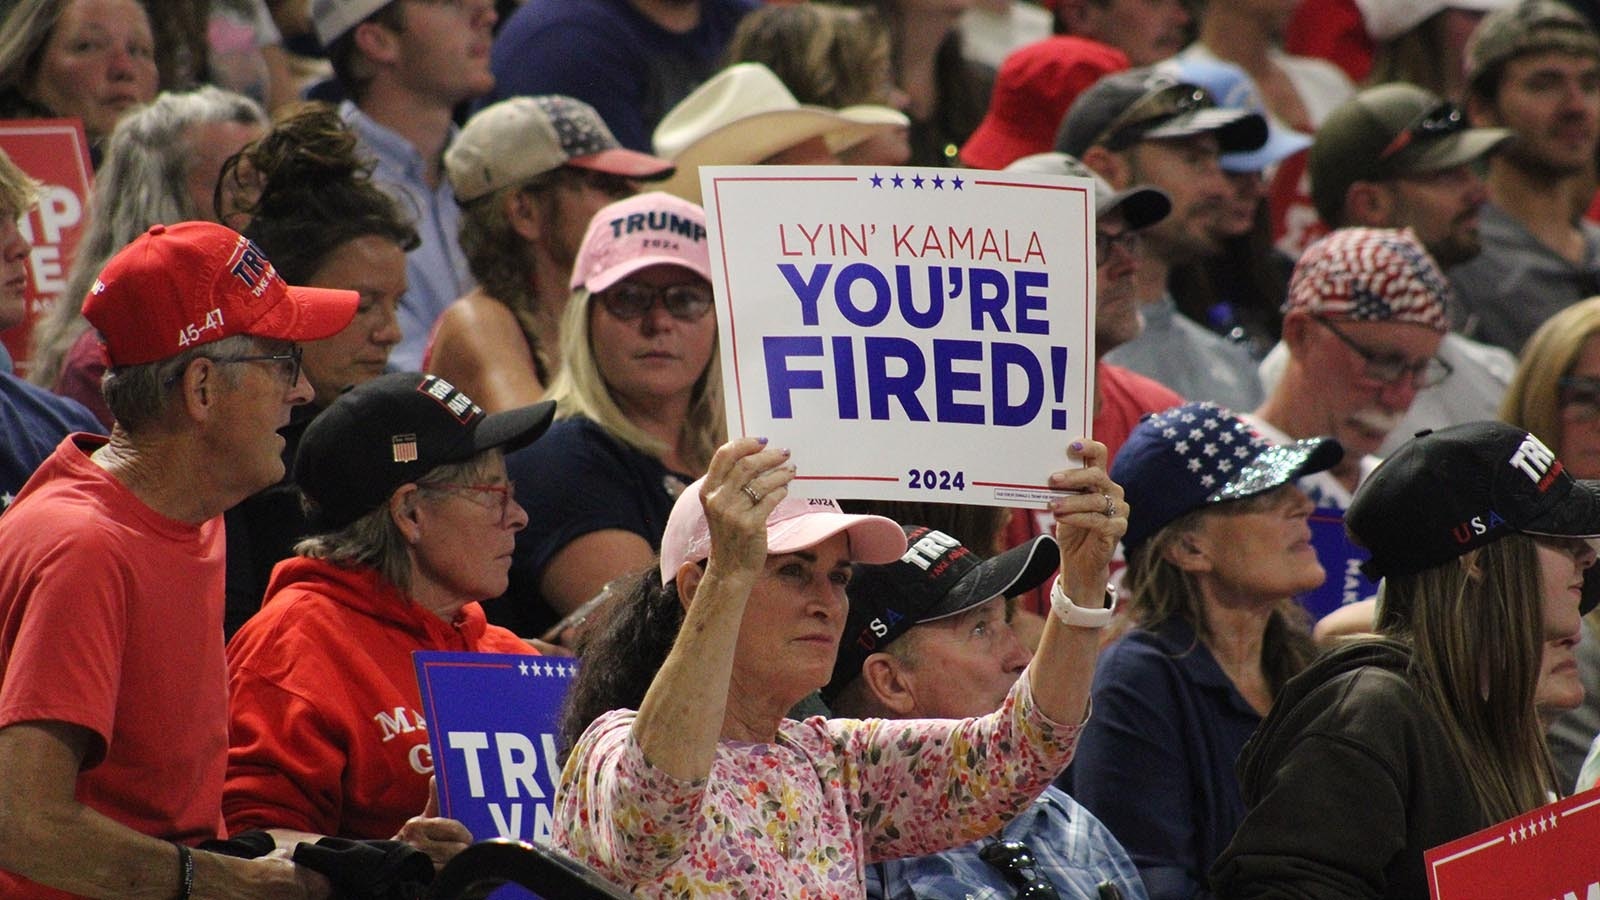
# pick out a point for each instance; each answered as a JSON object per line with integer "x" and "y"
{"x": 1105, "y": 242}
{"x": 1015, "y": 861}
{"x": 1151, "y": 110}
{"x": 1580, "y": 397}
{"x": 630, "y": 300}
{"x": 1439, "y": 121}
{"x": 288, "y": 362}
{"x": 504, "y": 494}
{"x": 1387, "y": 369}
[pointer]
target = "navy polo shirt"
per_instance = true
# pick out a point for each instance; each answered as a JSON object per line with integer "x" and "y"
{"x": 1156, "y": 761}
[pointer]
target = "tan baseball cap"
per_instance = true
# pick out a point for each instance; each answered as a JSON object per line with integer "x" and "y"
{"x": 514, "y": 140}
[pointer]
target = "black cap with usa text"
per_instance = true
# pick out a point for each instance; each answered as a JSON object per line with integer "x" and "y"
{"x": 393, "y": 430}
{"x": 1444, "y": 493}
{"x": 937, "y": 578}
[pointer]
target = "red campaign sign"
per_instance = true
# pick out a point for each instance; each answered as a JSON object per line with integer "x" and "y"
{"x": 1547, "y": 854}
{"x": 55, "y": 153}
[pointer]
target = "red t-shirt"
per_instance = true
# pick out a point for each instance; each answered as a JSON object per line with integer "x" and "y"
{"x": 327, "y": 731}
{"x": 111, "y": 619}
{"x": 1332, "y": 30}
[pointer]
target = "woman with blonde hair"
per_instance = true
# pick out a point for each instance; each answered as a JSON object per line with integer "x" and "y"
{"x": 1429, "y": 731}
{"x": 1218, "y": 543}
{"x": 831, "y": 56}
{"x": 639, "y": 409}
{"x": 826, "y": 55}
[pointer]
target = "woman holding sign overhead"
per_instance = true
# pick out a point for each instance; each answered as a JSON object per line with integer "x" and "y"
{"x": 1391, "y": 745}
{"x": 405, "y": 482}
{"x": 639, "y": 408}
{"x": 709, "y": 790}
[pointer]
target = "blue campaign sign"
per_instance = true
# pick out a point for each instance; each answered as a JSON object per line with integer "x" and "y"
{"x": 492, "y": 727}
{"x": 1342, "y": 560}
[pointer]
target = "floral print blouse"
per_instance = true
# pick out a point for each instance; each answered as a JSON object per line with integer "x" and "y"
{"x": 803, "y": 816}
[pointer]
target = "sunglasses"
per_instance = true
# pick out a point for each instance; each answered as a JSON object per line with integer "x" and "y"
{"x": 1580, "y": 397}
{"x": 630, "y": 300}
{"x": 1386, "y": 369}
{"x": 1436, "y": 122}
{"x": 1151, "y": 110}
{"x": 1015, "y": 861}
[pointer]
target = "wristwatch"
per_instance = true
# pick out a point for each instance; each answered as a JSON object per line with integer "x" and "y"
{"x": 1080, "y": 616}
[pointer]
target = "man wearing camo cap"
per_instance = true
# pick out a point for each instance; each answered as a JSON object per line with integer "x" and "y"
{"x": 528, "y": 174}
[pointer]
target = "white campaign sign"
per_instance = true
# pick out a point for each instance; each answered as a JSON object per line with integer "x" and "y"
{"x": 910, "y": 334}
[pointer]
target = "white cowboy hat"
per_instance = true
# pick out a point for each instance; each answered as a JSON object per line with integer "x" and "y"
{"x": 744, "y": 115}
{"x": 1388, "y": 19}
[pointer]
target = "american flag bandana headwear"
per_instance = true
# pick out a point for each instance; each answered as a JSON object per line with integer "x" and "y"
{"x": 1198, "y": 454}
{"x": 1370, "y": 275}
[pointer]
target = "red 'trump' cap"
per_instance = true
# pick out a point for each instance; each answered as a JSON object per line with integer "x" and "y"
{"x": 177, "y": 286}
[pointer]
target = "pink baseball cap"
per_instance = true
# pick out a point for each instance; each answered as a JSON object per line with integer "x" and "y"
{"x": 642, "y": 231}
{"x": 796, "y": 523}
{"x": 178, "y": 286}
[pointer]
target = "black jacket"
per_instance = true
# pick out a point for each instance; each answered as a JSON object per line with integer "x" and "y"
{"x": 1348, "y": 781}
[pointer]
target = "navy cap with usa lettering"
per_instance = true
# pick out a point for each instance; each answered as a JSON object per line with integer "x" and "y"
{"x": 180, "y": 286}
{"x": 937, "y": 577}
{"x": 1444, "y": 493}
{"x": 393, "y": 430}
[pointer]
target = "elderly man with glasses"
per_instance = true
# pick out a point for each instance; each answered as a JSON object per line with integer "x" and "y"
{"x": 1362, "y": 327}
{"x": 930, "y": 636}
{"x": 1396, "y": 156}
{"x": 113, "y": 696}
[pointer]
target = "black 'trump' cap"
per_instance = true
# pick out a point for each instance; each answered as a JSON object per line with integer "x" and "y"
{"x": 393, "y": 430}
{"x": 1446, "y": 492}
{"x": 937, "y": 577}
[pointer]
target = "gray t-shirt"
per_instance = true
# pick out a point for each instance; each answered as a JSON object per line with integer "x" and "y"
{"x": 1191, "y": 359}
{"x": 1517, "y": 282}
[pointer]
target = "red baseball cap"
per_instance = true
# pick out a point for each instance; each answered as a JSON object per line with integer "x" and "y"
{"x": 1033, "y": 90}
{"x": 177, "y": 286}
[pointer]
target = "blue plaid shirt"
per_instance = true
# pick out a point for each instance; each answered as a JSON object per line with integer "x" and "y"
{"x": 1070, "y": 848}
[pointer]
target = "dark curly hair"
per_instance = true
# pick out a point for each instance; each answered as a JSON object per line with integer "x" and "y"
{"x": 621, "y": 654}
{"x": 313, "y": 193}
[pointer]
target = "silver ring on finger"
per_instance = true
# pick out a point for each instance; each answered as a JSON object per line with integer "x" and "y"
{"x": 755, "y": 498}
{"x": 1110, "y": 508}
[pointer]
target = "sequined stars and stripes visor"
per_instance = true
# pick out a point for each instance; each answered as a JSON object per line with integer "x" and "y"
{"x": 1200, "y": 454}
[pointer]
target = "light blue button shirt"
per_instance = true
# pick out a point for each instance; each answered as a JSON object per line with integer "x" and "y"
{"x": 436, "y": 272}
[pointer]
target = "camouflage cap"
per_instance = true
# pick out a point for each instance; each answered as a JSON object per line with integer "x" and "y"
{"x": 1529, "y": 26}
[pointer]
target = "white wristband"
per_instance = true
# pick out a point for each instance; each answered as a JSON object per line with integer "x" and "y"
{"x": 1081, "y": 617}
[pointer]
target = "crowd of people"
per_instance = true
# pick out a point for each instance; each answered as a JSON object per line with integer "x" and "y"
{"x": 354, "y": 358}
